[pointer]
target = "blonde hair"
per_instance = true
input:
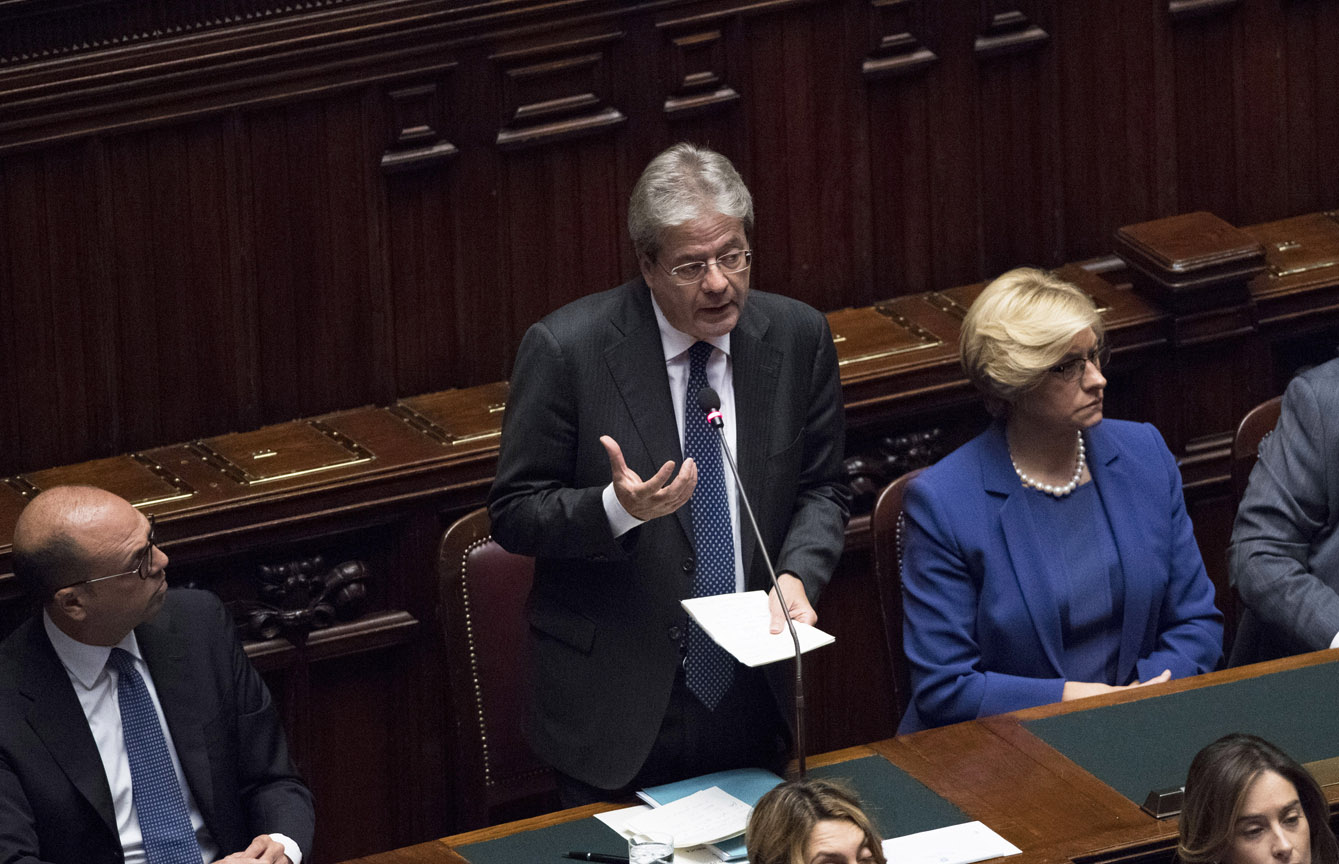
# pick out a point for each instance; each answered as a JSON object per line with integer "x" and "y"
{"x": 1020, "y": 326}
{"x": 783, "y": 819}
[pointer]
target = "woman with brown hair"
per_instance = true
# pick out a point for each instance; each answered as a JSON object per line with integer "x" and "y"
{"x": 812, "y": 822}
{"x": 1248, "y": 802}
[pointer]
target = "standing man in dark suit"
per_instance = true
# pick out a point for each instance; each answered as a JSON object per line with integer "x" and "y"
{"x": 132, "y": 726}
{"x": 1284, "y": 556}
{"x": 609, "y": 477}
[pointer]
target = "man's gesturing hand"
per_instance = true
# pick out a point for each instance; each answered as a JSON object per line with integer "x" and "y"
{"x": 648, "y": 499}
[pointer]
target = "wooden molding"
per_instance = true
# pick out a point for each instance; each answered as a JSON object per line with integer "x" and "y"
{"x": 895, "y": 50}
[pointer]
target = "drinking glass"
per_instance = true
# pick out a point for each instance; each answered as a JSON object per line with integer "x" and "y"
{"x": 653, "y": 847}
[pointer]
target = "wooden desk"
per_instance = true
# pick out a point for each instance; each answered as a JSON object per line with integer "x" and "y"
{"x": 996, "y": 771}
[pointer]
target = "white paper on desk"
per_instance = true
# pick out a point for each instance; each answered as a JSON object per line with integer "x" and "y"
{"x": 703, "y": 817}
{"x": 618, "y": 820}
{"x": 739, "y": 623}
{"x": 955, "y": 844}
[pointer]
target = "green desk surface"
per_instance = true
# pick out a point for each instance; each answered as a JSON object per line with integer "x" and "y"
{"x": 898, "y": 803}
{"x": 1140, "y": 746}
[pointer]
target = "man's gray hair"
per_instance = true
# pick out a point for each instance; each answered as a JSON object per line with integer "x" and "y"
{"x": 685, "y": 183}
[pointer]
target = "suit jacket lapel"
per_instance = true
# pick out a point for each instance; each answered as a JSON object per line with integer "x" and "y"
{"x": 165, "y": 653}
{"x": 1117, "y": 487}
{"x": 58, "y": 719}
{"x": 756, "y": 371}
{"x": 1033, "y": 568}
{"x": 637, "y": 364}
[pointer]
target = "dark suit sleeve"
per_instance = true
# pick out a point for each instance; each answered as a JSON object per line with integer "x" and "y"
{"x": 18, "y": 826}
{"x": 274, "y": 797}
{"x": 535, "y": 504}
{"x": 1284, "y": 512}
{"x": 817, "y": 532}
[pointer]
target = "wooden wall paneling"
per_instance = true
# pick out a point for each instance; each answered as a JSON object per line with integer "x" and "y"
{"x": 1116, "y": 121}
{"x": 955, "y": 135}
{"x": 323, "y": 328}
{"x": 559, "y": 201}
{"x": 473, "y": 209}
{"x": 44, "y": 196}
{"x": 1204, "y": 53}
{"x": 1261, "y": 93}
{"x": 804, "y": 88}
{"x": 1019, "y": 151}
{"x": 699, "y": 91}
{"x": 422, "y": 225}
{"x": 1311, "y": 82}
{"x": 901, "y": 82}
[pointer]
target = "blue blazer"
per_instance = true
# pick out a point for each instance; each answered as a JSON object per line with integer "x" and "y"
{"x": 983, "y": 630}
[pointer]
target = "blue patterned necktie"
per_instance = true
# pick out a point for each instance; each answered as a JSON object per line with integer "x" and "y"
{"x": 159, "y": 802}
{"x": 710, "y": 669}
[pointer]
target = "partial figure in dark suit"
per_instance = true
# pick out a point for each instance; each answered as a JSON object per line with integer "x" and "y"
{"x": 1284, "y": 555}
{"x": 1050, "y": 558}
{"x": 132, "y": 726}
{"x": 625, "y": 693}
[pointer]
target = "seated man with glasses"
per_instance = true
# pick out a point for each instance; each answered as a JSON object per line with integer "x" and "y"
{"x": 133, "y": 728}
{"x": 610, "y": 477}
{"x": 1051, "y": 557}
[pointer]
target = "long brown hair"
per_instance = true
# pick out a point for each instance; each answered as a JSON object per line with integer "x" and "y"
{"x": 1216, "y": 789}
{"x": 782, "y": 820}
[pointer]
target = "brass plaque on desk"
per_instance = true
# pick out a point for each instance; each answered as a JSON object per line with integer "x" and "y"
{"x": 135, "y": 477}
{"x": 457, "y": 417}
{"x": 281, "y": 452}
{"x": 877, "y": 332}
{"x": 1301, "y": 247}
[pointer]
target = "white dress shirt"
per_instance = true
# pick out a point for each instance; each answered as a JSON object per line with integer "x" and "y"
{"x": 95, "y": 685}
{"x": 720, "y": 375}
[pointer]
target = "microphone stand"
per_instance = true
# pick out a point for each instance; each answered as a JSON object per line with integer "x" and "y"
{"x": 711, "y": 402}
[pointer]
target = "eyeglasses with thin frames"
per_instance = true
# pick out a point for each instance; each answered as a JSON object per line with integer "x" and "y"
{"x": 1072, "y": 369}
{"x": 693, "y": 272}
{"x": 143, "y": 567}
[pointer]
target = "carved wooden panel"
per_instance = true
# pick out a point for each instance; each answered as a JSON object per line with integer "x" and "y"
{"x": 418, "y": 128}
{"x": 557, "y": 92}
{"x": 698, "y": 71}
{"x": 1006, "y": 30}
{"x": 895, "y": 49}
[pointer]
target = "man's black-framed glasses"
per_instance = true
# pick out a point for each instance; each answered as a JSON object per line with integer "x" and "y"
{"x": 143, "y": 567}
{"x": 1072, "y": 369}
{"x": 734, "y": 261}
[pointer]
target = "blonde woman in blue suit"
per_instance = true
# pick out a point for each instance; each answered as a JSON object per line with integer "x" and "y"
{"x": 1051, "y": 557}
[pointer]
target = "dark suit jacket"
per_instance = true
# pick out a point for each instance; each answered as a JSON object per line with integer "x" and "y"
{"x": 983, "y": 631}
{"x": 604, "y": 612}
{"x": 55, "y": 804}
{"x": 1284, "y": 557}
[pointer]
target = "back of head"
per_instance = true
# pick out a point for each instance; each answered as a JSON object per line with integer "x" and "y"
{"x": 1021, "y": 325}
{"x": 781, "y": 822}
{"x": 1216, "y": 788}
{"x": 684, "y": 183}
{"x": 48, "y": 538}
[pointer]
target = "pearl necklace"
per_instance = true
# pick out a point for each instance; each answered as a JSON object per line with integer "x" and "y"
{"x": 1058, "y": 491}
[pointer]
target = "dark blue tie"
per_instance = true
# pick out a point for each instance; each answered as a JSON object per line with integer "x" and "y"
{"x": 709, "y": 668}
{"x": 159, "y": 802}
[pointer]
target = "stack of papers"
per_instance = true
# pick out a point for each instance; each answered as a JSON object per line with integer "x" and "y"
{"x": 740, "y": 624}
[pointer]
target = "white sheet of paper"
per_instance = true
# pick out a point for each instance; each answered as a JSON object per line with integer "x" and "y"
{"x": 703, "y": 817}
{"x": 739, "y": 624}
{"x": 617, "y": 820}
{"x": 954, "y": 844}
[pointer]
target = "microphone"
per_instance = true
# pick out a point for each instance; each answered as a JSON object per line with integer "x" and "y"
{"x": 710, "y": 402}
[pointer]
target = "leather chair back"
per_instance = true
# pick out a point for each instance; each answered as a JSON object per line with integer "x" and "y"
{"x": 886, "y": 528}
{"x": 483, "y": 589}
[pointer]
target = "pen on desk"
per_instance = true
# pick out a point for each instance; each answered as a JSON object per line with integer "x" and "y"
{"x": 597, "y": 856}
